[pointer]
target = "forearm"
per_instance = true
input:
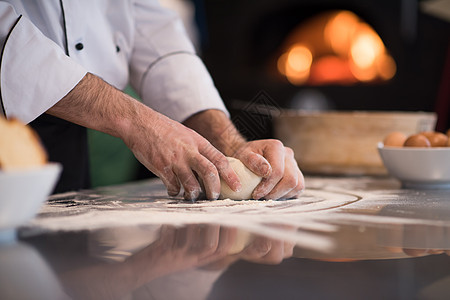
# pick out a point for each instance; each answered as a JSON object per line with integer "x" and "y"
{"x": 216, "y": 127}
{"x": 97, "y": 105}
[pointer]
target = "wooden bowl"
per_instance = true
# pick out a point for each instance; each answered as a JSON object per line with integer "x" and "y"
{"x": 344, "y": 142}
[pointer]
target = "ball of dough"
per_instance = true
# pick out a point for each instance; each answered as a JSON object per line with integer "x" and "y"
{"x": 249, "y": 181}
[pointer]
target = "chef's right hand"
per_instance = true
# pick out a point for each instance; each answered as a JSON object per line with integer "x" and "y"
{"x": 167, "y": 148}
{"x": 174, "y": 152}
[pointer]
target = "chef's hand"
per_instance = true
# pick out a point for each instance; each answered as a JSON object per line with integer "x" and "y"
{"x": 261, "y": 250}
{"x": 274, "y": 162}
{"x": 181, "y": 248}
{"x": 174, "y": 152}
{"x": 169, "y": 149}
{"x": 267, "y": 251}
{"x": 268, "y": 158}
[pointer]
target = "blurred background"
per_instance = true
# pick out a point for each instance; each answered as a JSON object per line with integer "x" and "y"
{"x": 372, "y": 55}
{"x": 340, "y": 54}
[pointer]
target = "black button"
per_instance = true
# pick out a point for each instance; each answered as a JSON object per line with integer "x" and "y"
{"x": 79, "y": 46}
{"x": 117, "y": 49}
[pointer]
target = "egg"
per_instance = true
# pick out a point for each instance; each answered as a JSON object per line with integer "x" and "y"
{"x": 394, "y": 139}
{"x": 417, "y": 140}
{"x": 437, "y": 139}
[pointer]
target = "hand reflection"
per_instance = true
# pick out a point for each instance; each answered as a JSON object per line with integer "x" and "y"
{"x": 181, "y": 248}
{"x": 176, "y": 249}
{"x": 267, "y": 251}
{"x": 257, "y": 249}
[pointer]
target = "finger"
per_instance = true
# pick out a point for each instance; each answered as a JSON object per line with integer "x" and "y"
{"x": 189, "y": 182}
{"x": 220, "y": 255}
{"x": 190, "y": 239}
{"x": 258, "y": 248}
{"x": 288, "y": 249}
{"x": 285, "y": 185}
{"x": 265, "y": 250}
{"x": 255, "y": 163}
{"x": 292, "y": 182}
{"x": 223, "y": 167}
{"x": 298, "y": 190}
{"x": 182, "y": 236}
{"x": 226, "y": 240}
{"x": 170, "y": 180}
{"x": 209, "y": 176}
{"x": 276, "y": 253}
{"x": 167, "y": 237}
{"x": 207, "y": 240}
{"x": 275, "y": 155}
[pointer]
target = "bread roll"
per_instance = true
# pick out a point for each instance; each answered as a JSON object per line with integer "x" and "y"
{"x": 20, "y": 146}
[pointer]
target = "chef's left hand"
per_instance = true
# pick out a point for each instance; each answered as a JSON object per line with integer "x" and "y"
{"x": 274, "y": 162}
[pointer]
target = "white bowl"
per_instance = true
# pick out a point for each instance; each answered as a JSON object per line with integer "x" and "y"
{"x": 22, "y": 193}
{"x": 427, "y": 168}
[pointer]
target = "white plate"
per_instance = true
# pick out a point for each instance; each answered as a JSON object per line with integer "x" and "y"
{"x": 422, "y": 168}
{"x": 22, "y": 194}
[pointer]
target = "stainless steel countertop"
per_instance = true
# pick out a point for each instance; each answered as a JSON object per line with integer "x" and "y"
{"x": 345, "y": 237}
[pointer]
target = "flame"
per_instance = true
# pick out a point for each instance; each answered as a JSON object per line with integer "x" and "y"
{"x": 365, "y": 47}
{"x": 349, "y": 50}
{"x": 386, "y": 66}
{"x": 299, "y": 58}
{"x": 332, "y": 69}
{"x": 339, "y": 31}
{"x": 296, "y": 63}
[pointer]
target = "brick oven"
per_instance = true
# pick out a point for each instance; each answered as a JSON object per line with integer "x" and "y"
{"x": 245, "y": 41}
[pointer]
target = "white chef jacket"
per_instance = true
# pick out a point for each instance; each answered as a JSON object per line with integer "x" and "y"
{"x": 49, "y": 45}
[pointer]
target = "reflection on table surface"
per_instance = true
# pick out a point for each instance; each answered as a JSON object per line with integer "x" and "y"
{"x": 344, "y": 238}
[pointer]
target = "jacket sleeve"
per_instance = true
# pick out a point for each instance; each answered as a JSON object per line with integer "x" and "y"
{"x": 164, "y": 70}
{"x": 35, "y": 73}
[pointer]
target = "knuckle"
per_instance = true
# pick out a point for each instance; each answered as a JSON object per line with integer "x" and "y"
{"x": 207, "y": 149}
{"x": 207, "y": 169}
{"x": 289, "y": 151}
{"x": 210, "y": 170}
{"x": 277, "y": 143}
{"x": 277, "y": 173}
{"x": 219, "y": 160}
